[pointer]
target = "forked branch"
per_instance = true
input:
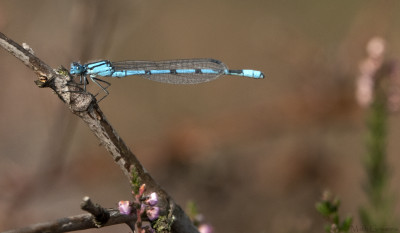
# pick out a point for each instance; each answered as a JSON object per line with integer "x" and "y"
{"x": 84, "y": 105}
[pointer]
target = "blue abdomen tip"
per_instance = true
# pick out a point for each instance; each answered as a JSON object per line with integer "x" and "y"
{"x": 253, "y": 73}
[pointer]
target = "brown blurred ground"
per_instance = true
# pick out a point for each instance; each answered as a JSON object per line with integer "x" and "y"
{"x": 254, "y": 155}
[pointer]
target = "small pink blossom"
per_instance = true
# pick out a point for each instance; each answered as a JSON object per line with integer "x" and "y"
{"x": 205, "y": 228}
{"x": 376, "y": 47}
{"x": 375, "y": 68}
{"x": 152, "y": 199}
{"x": 124, "y": 207}
{"x": 153, "y": 213}
{"x": 369, "y": 68}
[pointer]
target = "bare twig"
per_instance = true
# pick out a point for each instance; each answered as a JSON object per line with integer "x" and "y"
{"x": 74, "y": 223}
{"x": 84, "y": 106}
{"x": 97, "y": 217}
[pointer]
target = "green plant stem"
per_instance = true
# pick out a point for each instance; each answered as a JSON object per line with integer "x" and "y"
{"x": 378, "y": 211}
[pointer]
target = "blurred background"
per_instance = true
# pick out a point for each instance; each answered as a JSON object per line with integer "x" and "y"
{"x": 254, "y": 155}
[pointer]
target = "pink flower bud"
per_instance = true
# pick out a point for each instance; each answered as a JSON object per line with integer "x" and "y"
{"x": 205, "y": 228}
{"x": 124, "y": 207}
{"x": 142, "y": 189}
{"x": 152, "y": 199}
{"x": 153, "y": 213}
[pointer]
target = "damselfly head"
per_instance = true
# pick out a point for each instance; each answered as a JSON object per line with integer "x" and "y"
{"x": 77, "y": 68}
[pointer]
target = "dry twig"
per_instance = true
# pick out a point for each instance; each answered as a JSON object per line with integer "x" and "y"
{"x": 84, "y": 105}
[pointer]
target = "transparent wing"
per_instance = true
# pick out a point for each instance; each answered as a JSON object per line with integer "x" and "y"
{"x": 184, "y": 71}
